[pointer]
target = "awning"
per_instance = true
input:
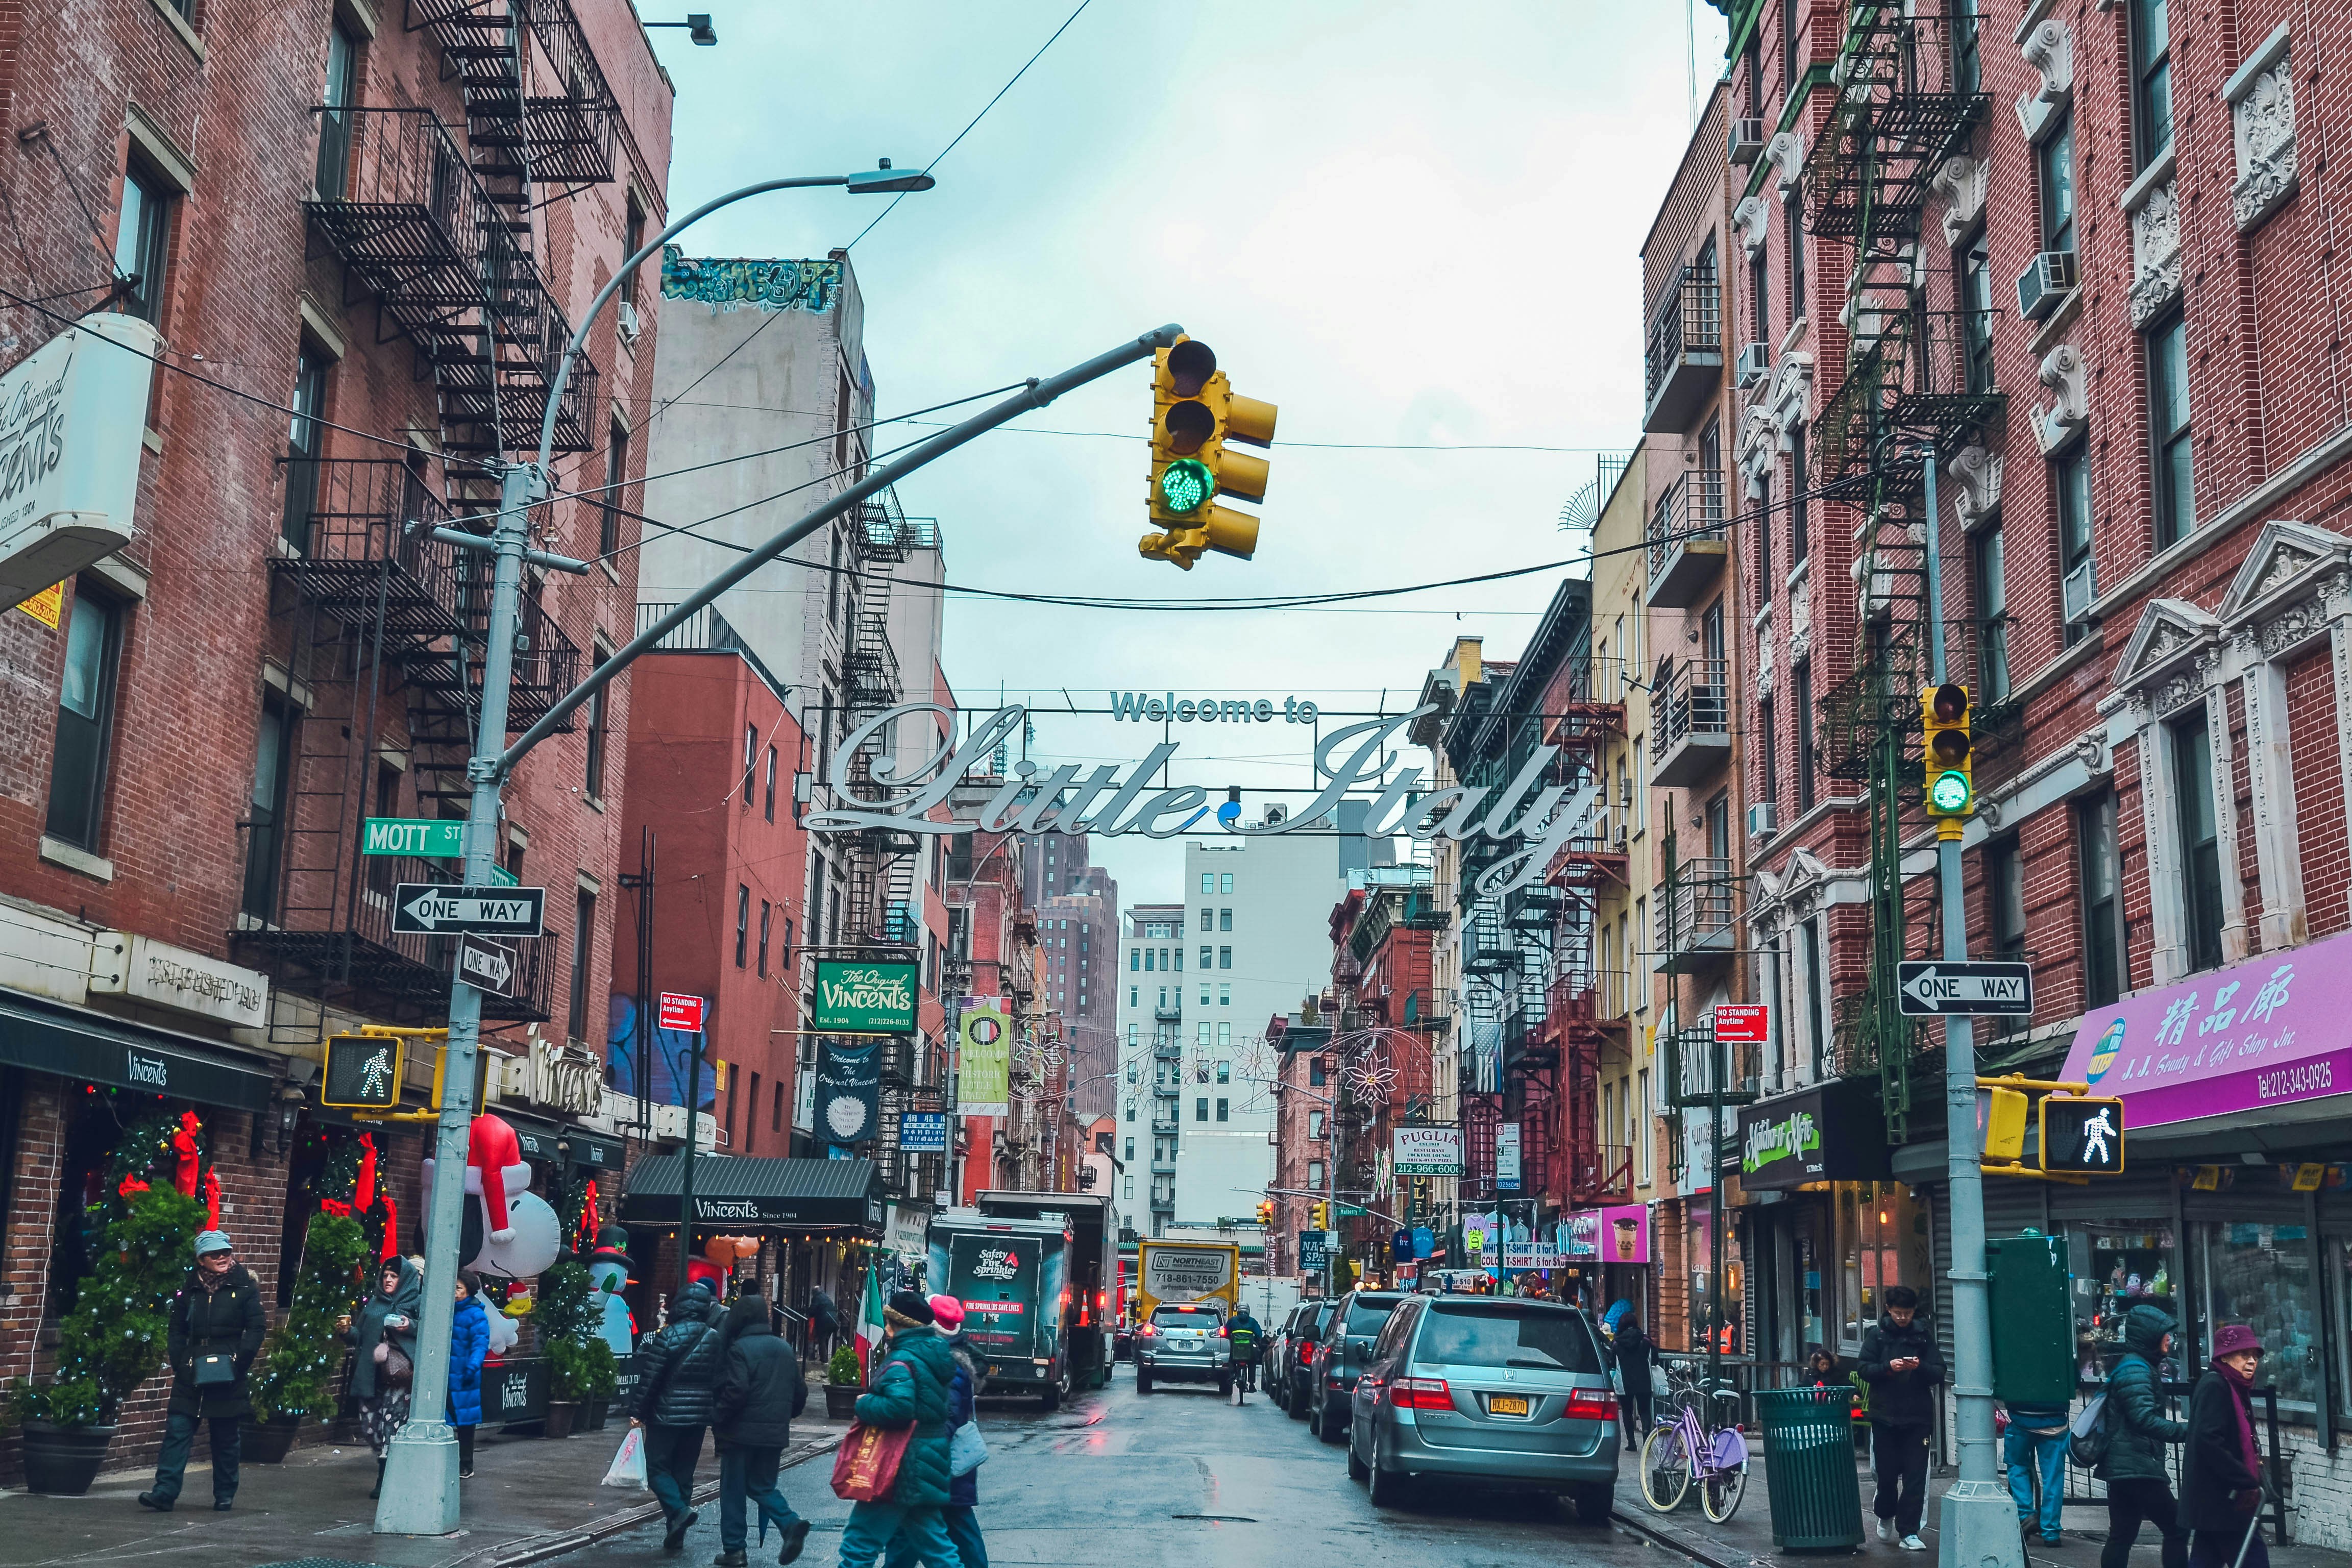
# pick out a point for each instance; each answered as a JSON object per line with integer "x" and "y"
{"x": 591, "y": 1150}
{"x": 729, "y": 1190}
{"x": 75, "y": 1043}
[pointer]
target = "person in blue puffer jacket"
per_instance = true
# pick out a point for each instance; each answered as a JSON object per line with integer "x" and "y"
{"x": 469, "y": 1341}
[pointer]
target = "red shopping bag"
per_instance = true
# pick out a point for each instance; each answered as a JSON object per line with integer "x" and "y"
{"x": 865, "y": 1466}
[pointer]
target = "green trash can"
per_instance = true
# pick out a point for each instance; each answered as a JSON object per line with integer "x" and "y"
{"x": 1809, "y": 1467}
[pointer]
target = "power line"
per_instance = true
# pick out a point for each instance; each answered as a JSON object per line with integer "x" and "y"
{"x": 1347, "y": 445}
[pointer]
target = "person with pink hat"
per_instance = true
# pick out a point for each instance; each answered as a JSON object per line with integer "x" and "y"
{"x": 2221, "y": 1475}
{"x": 961, "y": 1515}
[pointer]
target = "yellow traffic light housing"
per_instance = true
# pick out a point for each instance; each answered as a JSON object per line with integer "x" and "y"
{"x": 2004, "y": 1131}
{"x": 1195, "y": 413}
{"x": 1950, "y": 777}
{"x": 1265, "y": 1212}
{"x": 1322, "y": 1215}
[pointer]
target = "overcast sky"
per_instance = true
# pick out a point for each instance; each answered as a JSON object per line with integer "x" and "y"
{"x": 1404, "y": 224}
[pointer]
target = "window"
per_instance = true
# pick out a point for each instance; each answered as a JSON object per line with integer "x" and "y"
{"x": 2168, "y": 423}
{"x": 1201, "y": 1109}
{"x": 750, "y": 755}
{"x": 1224, "y": 881}
{"x": 2201, "y": 853}
{"x": 265, "y": 843}
{"x": 1759, "y": 298}
{"x": 1642, "y": 1143}
{"x": 1792, "y": 224}
{"x": 776, "y": 1107}
{"x": 2151, "y": 29}
{"x": 1793, "y": 45}
{"x": 1205, "y": 957}
{"x": 142, "y": 236}
{"x": 1130, "y": 1186}
{"x": 1208, "y": 881}
{"x": 2054, "y": 163}
{"x": 584, "y": 933}
{"x": 1315, "y": 1072}
{"x": 598, "y": 734}
{"x": 1225, "y": 995}
{"x": 1768, "y": 759}
{"x": 1134, "y": 964}
{"x": 752, "y": 1116}
{"x": 1130, "y": 1151}
{"x": 1224, "y": 1038}
{"x": 1205, "y": 993}
{"x": 609, "y": 504}
{"x": 86, "y": 720}
{"x": 1967, "y": 49}
{"x": 2103, "y": 931}
{"x": 1975, "y": 288}
{"x": 1992, "y": 616}
{"x": 768, "y": 787}
{"x": 335, "y": 114}
{"x": 632, "y": 240}
{"x": 2004, "y": 871}
{"x": 304, "y": 436}
{"x": 1315, "y": 1124}
{"x": 1314, "y": 1173}
{"x": 742, "y": 923}
{"x": 1801, "y": 503}
{"x": 1224, "y": 958}
{"x": 1225, "y": 920}
{"x": 1800, "y": 681}
{"x": 1208, "y": 918}
{"x": 1225, "y": 1068}
{"x": 1220, "y": 1109}
{"x": 1202, "y": 1037}
{"x": 2070, "y": 488}
{"x": 766, "y": 912}
{"x": 1816, "y": 995}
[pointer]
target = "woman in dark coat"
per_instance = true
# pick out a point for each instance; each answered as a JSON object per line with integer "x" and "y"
{"x": 1635, "y": 1355}
{"x": 386, "y": 1323}
{"x": 469, "y": 1341}
{"x": 216, "y": 1313}
{"x": 2221, "y": 1475}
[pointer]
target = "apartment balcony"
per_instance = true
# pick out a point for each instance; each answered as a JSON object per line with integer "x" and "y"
{"x": 359, "y": 544}
{"x": 1698, "y": 1067}
{"x": 1687, "y": 542}
{"x": 1696, "y": 917}
{"x": 1690, "y": 721}
{"x": 1599, "y": 997}
{"x": 1164, "y": 1202}
{"x": 1684, "y": 363}
{"x": 1163, "y": 1168}
{"x": 570, "y": 135}
{"x": 1167, "y": 1012}
{"x": 395, "y": 202}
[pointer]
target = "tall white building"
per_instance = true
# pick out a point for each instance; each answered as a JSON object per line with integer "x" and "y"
{"x": 1149, "y": 988}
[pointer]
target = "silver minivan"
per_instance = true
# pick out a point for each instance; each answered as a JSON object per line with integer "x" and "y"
{"x": 1490, "y": 1391}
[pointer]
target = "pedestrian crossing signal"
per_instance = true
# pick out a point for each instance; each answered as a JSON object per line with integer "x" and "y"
{"x": 363, "y": 1072}
{"x": 2085, "y": 1136}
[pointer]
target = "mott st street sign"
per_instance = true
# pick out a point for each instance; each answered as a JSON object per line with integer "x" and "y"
{"x": 433, "y": 908}
{"x": 427, "y": 838}
{"x": 1933, "y": 990}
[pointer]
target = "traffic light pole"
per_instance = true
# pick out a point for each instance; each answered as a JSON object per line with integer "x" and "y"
{"x": 1979, "y": 1524}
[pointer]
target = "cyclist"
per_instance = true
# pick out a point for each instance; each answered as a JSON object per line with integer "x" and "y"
{"x": 1243, "y": 1333}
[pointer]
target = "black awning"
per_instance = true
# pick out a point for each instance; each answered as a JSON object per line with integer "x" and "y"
{"x": 593, "y": 1150}
{"x": 754, "y": 1193}
{"x": 75, "y": 1043}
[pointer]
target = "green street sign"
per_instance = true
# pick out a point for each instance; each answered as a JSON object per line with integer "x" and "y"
{"x": 1349, "y": 1211}
{"x": 864, "y": 998}
{"x": 427, "y": 838}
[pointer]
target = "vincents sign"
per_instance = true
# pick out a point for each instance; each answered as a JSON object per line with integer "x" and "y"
{"x": 1106, "y": 800}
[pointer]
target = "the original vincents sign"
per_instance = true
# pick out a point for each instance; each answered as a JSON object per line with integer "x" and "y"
{"x": 1101, "y": 801}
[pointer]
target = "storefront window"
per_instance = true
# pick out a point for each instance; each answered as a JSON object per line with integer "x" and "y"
{"x": 2132, "y": 1261}
{"x": 2261, "y": 1276}
{"x": 1867, "y": 1236}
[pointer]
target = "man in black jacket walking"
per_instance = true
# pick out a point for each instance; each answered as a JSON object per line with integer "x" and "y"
{"x": 217, "y": 1322}
{"x": 1901, "y": 1364}
{"x": 677, "y": 1370}
{"x": 760, "y": 1389}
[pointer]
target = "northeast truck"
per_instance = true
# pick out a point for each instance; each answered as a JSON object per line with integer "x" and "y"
{"x": 1181, "y": 1272}
{"x": 1031, "y": 1270}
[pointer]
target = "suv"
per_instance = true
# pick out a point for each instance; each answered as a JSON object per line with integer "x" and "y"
{"x": 1295, "y": 1357}
{"x": 1183, "y": 1343}
{"x": 1493, "y": 1390}
{"x": 1341, "y": 1351}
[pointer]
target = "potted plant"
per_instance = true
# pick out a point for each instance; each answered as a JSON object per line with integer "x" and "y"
{"x": 582, "y": 1373}
{"x": 294, "y": 1374}
{"x": 843, "y": 1385}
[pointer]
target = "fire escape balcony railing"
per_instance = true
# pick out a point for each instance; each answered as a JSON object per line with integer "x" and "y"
{"x": 1684, "y": 363}
{"x": 1690, "y": 720}
{"x": 398, "y": 205}
{"x": 1920, "y": 381}
{"x": 1698, "y": 1067}
{"x": 1695, "y": 918}
{"x": 570, "y": 135}
{"x": 359, "y": 538}
{"x": 546, "y": 662}
{"x": 1686, "y": 540}
{"x": 1909, "y": 92}
{"x": 1603, "y": 1175}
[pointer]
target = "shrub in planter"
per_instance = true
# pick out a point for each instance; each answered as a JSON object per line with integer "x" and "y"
{"x": 842, "y": 1370}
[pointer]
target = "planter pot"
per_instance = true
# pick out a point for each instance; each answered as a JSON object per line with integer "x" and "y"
{"x": 560, "y": 1413}
{"x": 266, "y": 1442}
{"x": 594, "y": 1413}
{"x": 841, "y": 1401}
{"x": 63, "y": 1461}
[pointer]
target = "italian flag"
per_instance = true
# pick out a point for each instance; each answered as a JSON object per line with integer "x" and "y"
{"x": 870, "y": 1332}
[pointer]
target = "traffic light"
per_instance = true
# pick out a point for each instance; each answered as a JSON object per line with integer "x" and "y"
{"x": 1265, "y": 1212}
{"x": 1322, "y": 1214}
{"x": 2004, "y": 1124}
{"x": 2082, "y": 1136}
{"x": 1951, "y": 750}
{"x": 1195, "y": 413}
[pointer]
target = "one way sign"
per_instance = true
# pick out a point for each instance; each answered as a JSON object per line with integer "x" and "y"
{"x": 431, "y": 908}
{"x": 1936, "y": 989}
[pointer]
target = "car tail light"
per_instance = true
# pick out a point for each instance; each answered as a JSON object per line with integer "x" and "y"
{"x": 1587, "y": 1404}
{"x": 1420, "y": 1394}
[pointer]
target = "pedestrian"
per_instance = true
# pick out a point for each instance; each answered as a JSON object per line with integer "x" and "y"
{"x": 823, "y": 1322}
{"x": 216, "y": 1325}
{"x": 760, "y": 1388}
{"x": 910, "y": 1389}
{"x": 384, "y": 1336}
{"x": 1901, "y": 1364}
{"x": 2034, "y": 1449}
{"x": 2139, "y": 1483}
{"x": 469, "y": 1343}
{"x": 961, "y": 1516}
{"x": 2221, "y": 1475}
{"x": 1821, "y": 1370}
{"x": 677, "y": 1370}
{"x": 1635, "y": 1358}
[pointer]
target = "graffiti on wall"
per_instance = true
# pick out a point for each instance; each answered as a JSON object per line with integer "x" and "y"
{"x": 728, "y": 284}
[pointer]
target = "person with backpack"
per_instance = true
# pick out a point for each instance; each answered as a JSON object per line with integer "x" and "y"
{"x": 759, "y": 1391}
{"x": 2221, "y": 1475}
{"x": 677, "y": 1370}
{"x": 2134, "y": 1427}
{"x": 1904, "y": 1368}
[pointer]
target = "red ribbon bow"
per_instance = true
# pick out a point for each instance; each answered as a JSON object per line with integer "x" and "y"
{"x": 183, "y": 1144}
{"x": 363, "y": 1195}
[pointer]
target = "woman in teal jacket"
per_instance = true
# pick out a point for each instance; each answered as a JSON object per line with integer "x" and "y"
{"x": 910, "y": 1390}
{"x": 2139, "y": 1486}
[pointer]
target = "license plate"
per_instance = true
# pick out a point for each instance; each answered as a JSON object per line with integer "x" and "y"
{"x": 1506, "y": 1404}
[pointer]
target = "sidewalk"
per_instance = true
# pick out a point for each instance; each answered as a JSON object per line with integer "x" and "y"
{"x": 1746, "y": 1541}
{"x": 530, "y": 1499}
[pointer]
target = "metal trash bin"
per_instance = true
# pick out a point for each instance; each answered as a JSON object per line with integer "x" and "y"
{"x": 1809, "y": 1467}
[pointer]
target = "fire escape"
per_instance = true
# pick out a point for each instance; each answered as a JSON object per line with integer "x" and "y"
{"x": 1919, "y": 386}
{"x": 1587, "y": 1011}
{"x": 386, "y": 625}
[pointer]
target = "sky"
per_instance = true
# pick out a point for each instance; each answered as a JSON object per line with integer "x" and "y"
{"x": 1408, "y": 226}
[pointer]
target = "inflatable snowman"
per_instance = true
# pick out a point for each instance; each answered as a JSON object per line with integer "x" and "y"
{"x": 510, "y": 1231}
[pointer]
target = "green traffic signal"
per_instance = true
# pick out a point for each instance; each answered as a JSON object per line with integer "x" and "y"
{"x": 1949, "y": 794}
{"x": 1186, "y": 485}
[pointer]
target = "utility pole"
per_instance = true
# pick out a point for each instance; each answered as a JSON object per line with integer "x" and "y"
{"x": 1978, "y": 1523}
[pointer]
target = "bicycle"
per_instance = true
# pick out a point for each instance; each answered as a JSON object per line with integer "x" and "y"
{"x": 1687, "y": 1449}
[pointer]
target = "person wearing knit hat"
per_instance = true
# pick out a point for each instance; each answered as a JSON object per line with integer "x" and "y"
{"x": 947, "y": 1312}
{"x": 2221, "y": 1474}
{"x": 911, "y": 1386}
{"x": 217, "y": 1325}
{"x": 908, "y": 1305}
{"x": 961, "y": 1515}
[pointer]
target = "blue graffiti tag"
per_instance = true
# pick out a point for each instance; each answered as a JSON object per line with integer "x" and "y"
{"x": 725, "y": 284}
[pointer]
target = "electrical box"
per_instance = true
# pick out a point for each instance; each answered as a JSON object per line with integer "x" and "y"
{"x": 2032, "y": 1321}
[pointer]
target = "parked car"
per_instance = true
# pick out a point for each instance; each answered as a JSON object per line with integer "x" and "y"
{"x": 1296, "y": 1367}
{"x": 1341, "y": 1351}
{"x": 1492, "y": 1392}
{"x": 1185, "y": 1343}
{"x": 1278, "y": 1341}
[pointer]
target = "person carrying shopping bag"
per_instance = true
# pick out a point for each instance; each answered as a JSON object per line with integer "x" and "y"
{"x": 217, "y": 1323}
{"x": 384, "y": 1336}
{"x": 910, "y": 1390}
{"x": 2139, "y": 1484}
{"x": 677, "y": 1370}
{"x": 760, "y": 1389}
{"x": 469, "y": 1343}
{"x": 2221, "y": 1475}
{"x": 961, "y": 1515}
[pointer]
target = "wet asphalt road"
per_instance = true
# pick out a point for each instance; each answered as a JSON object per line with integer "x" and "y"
{"x": 1183, "y": 1479}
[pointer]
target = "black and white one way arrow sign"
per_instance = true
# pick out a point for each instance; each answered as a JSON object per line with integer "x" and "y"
{"x": 431, "y": 908}
{"x": 1931, "y": 990}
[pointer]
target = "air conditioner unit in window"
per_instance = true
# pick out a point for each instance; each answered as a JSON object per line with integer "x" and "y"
{"x": 1763, "y": 820}
{"x": 629, "y": 325}
{"x": 2045, "y": 284}
{"x": 1755, "y": 364}
{"x": 1747, "y": 140}
{"x": 2081, "y": 588}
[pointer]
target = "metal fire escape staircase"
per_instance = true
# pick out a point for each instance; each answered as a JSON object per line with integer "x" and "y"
{"x": 1585, "y": 1010}
{"x": 1919, "y": 387}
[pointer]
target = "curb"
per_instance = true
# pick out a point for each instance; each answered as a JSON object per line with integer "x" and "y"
{"x": 1673, "y": 1540}
{"x": 540, "y": 1548}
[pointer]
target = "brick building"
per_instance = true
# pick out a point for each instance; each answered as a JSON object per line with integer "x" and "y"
{"x": 303, "y": 201}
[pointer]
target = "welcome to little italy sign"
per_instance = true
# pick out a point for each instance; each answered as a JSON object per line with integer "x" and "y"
{"x": 1073, "y": 798}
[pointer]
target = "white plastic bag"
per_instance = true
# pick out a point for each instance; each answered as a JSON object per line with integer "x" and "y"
{"x": 628, "y": 1466}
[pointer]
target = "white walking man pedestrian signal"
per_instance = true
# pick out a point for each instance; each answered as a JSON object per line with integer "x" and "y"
{"x": 2081, "y": 1135}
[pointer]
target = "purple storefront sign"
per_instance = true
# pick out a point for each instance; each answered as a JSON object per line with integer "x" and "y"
{"x": 2267, "y": 1032}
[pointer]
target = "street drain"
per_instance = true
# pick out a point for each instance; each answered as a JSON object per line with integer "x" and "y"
{"x": 1217, "y": 1518}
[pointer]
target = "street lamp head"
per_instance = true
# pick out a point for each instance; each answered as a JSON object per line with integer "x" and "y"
{"x": 884, "y": 179}
{"x": 699, "y": 28}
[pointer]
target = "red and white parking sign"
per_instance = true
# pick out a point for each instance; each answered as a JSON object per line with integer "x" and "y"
{"x": 1741, "y": 1023}
{"x": 679, "y": 1011}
